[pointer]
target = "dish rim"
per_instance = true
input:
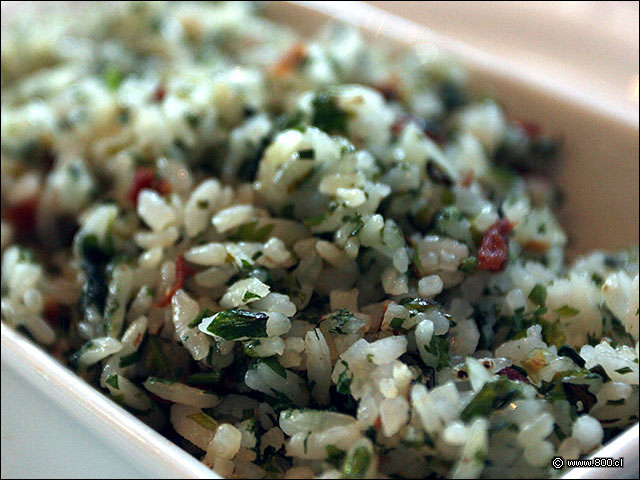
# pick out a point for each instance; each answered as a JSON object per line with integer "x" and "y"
{"x": 43, "y": 370}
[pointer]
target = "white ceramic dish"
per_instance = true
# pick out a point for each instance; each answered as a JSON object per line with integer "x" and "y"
{"x": 601, "y": 156}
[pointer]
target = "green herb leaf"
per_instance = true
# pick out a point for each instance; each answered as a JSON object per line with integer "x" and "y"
{"x": 419, "y": 304}
{"x": 538, "y": 295}
{"x": 579, "y": 393}
{"x": 279, "y": 401}
{"x": 156, "y": 360}
{"x": 343, "y": 322}
{"x": 249, "y": 295}
{"x": 166, "y": 381}
{"x": 439, "y": 347}
{"x": 469, "y": 265}
{"x": 343, "y": 385}
{"x": 113, "y": 77}
{"x": 112, "y": 380}
{"x": 317, "y": 220}
{"x": 335, "y": 456}
{"x": 308, "y": 154}
{"x": 203, "y": 378}
{"x": 327, "y": 114}
{"x": 624, "y": 370}
{"x": 196, "y": 321}
{"x": 567, "y": 351}
{"x": 493, "y": 396}
{"x": 249, "y": 347}
{"x": 234, "y": 324}
{"x": 204, "y": 421}
{"x": 357, "y": 224}
{"x": 94, "y": 260}
{"x": 274, "y": 364}
{"x": 357, "y": 463}
{"x": 566, "y": 311}
{"x": 249, "y": 232}
{"x": 396, "y": 323}
{"x": 128, "y": 360}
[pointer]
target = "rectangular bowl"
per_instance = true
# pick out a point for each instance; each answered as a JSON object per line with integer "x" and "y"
{"x": 599, "y": 174}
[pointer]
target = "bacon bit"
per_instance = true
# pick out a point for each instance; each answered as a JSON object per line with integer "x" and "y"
{"x": 513, "y": 374}
{"x": 378, "y": 423}
{"x": 159, "y": 93}
{"x": 51, "y": 313}
{"x": 532, "y": 129}
{"x": 291, "y": 60}
{"x": 22, "y": 216}
{"x": 536, "y": 246}
{"x": 494, "y": 246}
{"x": 182, "y": 272}
{"x": 145, "y": 177}
{"x": 389, "y": 88}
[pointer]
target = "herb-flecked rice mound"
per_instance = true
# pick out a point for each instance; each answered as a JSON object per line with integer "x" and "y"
{"x": 302, "y": 258}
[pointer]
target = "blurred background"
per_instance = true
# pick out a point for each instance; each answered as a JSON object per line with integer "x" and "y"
{"x": 591, "y": 47}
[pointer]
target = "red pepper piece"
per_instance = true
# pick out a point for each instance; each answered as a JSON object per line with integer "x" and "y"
{"x": 389, "y": 88}
{"x": 532, "y": 129}
{"x": 51, "y": 313}
{"x": 22, "y": 216}
{"x": 494, "y": 247}
{"x": 145, "y": 177}
{"x": 159, "y": 93}
{"x": 182, "y": 272}
{"x": 513, "y": 374}
{"x": 290, "y": 61}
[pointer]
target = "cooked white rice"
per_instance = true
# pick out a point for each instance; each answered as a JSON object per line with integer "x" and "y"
{"x": 301, "y": 258}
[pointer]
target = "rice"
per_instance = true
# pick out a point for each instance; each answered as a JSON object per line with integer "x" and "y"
{"x": 302, "y": 258}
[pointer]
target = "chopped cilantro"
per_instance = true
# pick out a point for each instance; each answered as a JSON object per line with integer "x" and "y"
{"x": 396, "y": 323}
{"x": 204, "y": 421}
{"x": 113, "y": 77}
{"x": 327, "y": 114}
{"x": 343, "y": 385}
{"x": 249, "y": 232}
{"x": 469, "y": 265}
{"x": 112, "y": 380}
{"x": 196, "y": 321}
{"x": 357, "y": 463}
{"x": 249, "y": 295}
{"x": 127, "y": 360}
{"x": 538, "y": 295}
{"x": 624, "y": 370}
{"x": 567, "y": 351}
{"x": 274, "y": 364}
{"x": 335, "y": 456}
{"x": 202, "y": 378}
{"x": 308, "y": 154}
{"x": 493, "y": 396}
{"x": 233, "y": 324}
